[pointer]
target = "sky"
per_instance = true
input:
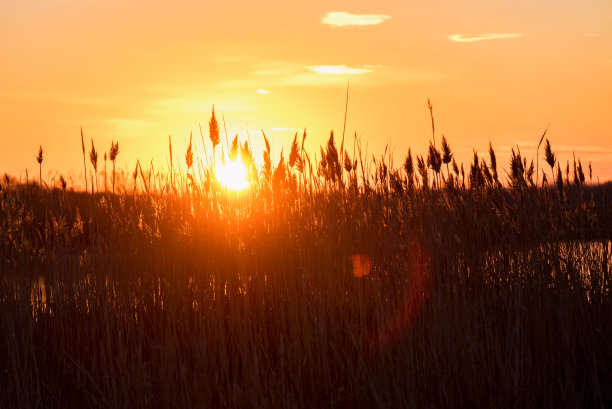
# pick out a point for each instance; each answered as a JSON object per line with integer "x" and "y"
{"x": 137, "y": 72}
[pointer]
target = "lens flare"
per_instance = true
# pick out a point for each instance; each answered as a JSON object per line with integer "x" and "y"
{"x": 361, "y": 265}
{"x": 232, "y": 175}
{"x": 407, "y": 310}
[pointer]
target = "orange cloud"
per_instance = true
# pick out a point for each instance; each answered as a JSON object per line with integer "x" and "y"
{"x": 342, "y": 18}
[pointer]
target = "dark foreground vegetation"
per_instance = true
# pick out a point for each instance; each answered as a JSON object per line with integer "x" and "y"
{"x": 327, "y": 284}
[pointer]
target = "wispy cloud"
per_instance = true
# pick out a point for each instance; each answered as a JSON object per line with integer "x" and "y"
{"x": 288, "y": 73}
{"x": 262, "y": 91}
{"x": 342, "y": 19}
{"x": 340, "y": 69}
{"x": 470, "y": 38}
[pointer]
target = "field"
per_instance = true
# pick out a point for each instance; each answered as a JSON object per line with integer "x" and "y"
{"x": 332, "y": 281}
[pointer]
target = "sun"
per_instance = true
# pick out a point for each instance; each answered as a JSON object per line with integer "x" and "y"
{"x": 232, "y": 175}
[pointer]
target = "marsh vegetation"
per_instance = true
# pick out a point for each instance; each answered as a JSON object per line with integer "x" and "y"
{"x": 333, "y": 280}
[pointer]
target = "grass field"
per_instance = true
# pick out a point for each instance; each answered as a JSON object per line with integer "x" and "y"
{"x": 331, "y": 282}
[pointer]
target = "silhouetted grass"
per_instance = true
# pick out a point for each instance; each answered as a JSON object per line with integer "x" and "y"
{"x": 482, "y": 292}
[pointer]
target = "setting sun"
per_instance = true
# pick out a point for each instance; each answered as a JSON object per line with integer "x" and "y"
{"x": 232, "y": 175}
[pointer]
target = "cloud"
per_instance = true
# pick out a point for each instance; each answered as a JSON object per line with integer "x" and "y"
{"x": 340, "y": 69}
{"x": 285, "y": 73}
{"x": 470, "y": 38}
{"x": 262, "y": 91}
{"x": 342, "y": 19}
{"x": 292, "y": 74}
{"x": 325, "y": 75}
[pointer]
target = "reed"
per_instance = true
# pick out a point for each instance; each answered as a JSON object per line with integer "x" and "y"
{"x": 39, "y": 159}
{"x": 405, "y": 288}
{"x": 113, "y": 152}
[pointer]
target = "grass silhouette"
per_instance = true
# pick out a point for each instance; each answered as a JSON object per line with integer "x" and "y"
{"x": 333, "y": 281}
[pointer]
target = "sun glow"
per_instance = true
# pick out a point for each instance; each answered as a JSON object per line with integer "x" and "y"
{"x": 232, "y": 175}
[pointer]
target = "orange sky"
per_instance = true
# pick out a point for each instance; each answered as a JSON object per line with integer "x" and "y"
{"x": 138, "y": 71}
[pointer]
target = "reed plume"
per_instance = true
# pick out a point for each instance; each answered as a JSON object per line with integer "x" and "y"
{"x": 114, "y": 151}
{"x": 213, "y": 132}
{"x": 39, "y": 159}
{"x": 422, "y": 169}
{"x": 93, "y": 157}
{"x": 409, "y": 169}
{"x": 580, "y": 172}
{"x": 294, "y": 155}
{"x": 348, "y": 164}
{"x": 447, "y": 154}
{"x": 233, "y": 153}
{"x": 559, "y": 180}
{"x": 434, "y": 161}
{"x": 189, "y": 154}
{"x": 549, "y": 155}
{"x": 334, "y": 169}
{"x": 476, "y": 177}
{"x": 493, "y": 163}
{"x": 246, "y": 154}
{"x": 267, "y": 165}
{"x": 538, "y": 155}
{"x": 433, "y": 127}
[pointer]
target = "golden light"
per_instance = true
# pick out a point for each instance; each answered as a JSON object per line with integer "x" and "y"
{"x": 232, "y": 175}
{"x": 361, "y": 265}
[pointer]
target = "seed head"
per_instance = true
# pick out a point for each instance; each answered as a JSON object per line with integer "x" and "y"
{"x": 447, "y": 155}
{"x": 114, "y": 151}
{"x": 549, "y": 155}
{"x": 39, "y": 158}
{"x": 213, "y": 129}
{"x": 408, "y": 164}
{"x": 348, "y": 164}
{"x": 189, "y": 153}
{"x": 93, "y": 156}
{"x": 233, "y": 153}
{"x": 294, "y": 157}
{"x": 246, "y": 155}
{"x": 434, "y": 158}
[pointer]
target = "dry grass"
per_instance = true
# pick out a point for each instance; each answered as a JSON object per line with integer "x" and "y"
{"x": 184, "y": 295}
